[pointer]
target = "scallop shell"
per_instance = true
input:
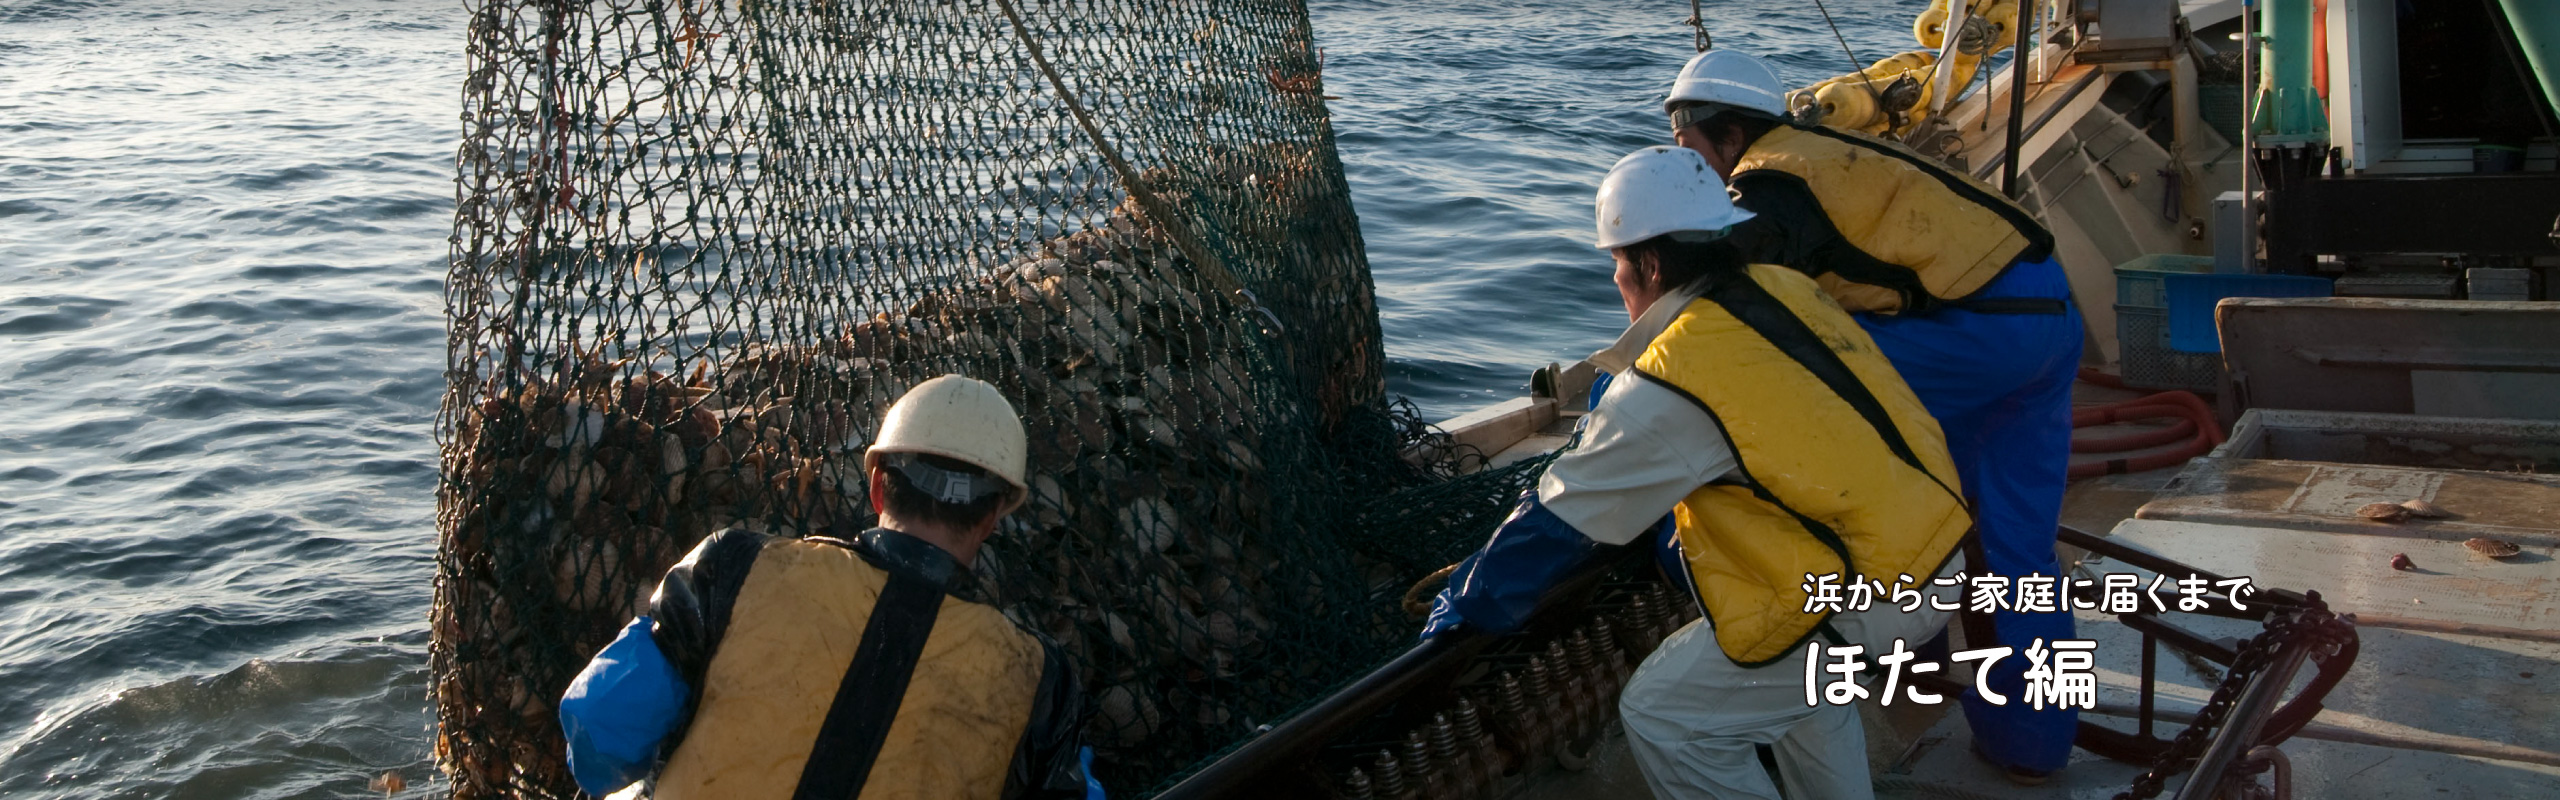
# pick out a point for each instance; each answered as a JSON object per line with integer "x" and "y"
{"x": 1119, "y": 630}
{"x": 1212, "y": 715}
{"x": 2493, "y": 548}
{"x": 1157, "y": 430}
{"x": 671, "y": 456}
{"x": 1239, "y": 456}
{"x": 2423, "y": 509}
{"x": 574, "y": 481}
{"x": 1070, "y": 292}
{"x": 579, "y": 425}
{"x": 1128, "y": 715}
{"x": 2383, "y": 512}
{"x": 1049, "y": 499}
{"x": 1149, "y": 523}
{"x": 1098, "y": 334}
{"x": 584, "y": 578}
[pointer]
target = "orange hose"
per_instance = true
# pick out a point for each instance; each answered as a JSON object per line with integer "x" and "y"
{"x": 2092, "y": 375}
{"x": 2180, "y": 430}
{"x": 2118, "y": 466}
{"x": 2195, "y": 425}
{"x": 2145, "y": 408}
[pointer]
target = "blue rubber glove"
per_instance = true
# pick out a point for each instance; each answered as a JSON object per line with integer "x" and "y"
{"x": 1599, "y": 386}
{"x": 1495, "y": 589}
{"x": 1444, "y": 613}
{"x": 1092, "y": 785}
{"x": 618, "y": 709}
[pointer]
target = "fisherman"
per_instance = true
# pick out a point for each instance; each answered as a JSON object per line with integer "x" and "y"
{"x": 1752, "y": 409}
{"x": 772, "y": 667}
{"x": 1958, "y": 286}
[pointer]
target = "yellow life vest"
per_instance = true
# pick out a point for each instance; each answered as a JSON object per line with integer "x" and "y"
{"x": 1954, "y": 233}
{"x": 1841, "y": 469}
{"x": 798, "y": 620}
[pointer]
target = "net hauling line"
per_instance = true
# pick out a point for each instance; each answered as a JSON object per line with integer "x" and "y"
{"x": 1174, "y": 226}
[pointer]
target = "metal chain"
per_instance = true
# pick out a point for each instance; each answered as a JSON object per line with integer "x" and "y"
{"x": 2312, "y": 622}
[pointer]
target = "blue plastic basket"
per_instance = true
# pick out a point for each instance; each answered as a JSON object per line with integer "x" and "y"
{"x": 2192, "y": 298}
{"x": 2142, "y": 338}
{"x": 2138, "y": 281}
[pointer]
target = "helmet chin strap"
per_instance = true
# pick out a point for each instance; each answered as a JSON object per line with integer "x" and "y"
{"x": 1699, "y": 112}
{"x": 946, "y": 485}
{"x": 1695, "y": 113}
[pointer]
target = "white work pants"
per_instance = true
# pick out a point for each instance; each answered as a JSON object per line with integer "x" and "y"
{"x": 1693, "y": 716}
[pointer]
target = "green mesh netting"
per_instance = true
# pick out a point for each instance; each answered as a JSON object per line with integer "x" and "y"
{"x": 701, "y": 245}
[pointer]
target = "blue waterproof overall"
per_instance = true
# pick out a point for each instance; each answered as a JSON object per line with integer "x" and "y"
{"x": 2000, "y": 386}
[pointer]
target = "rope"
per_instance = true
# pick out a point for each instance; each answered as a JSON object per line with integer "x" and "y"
{"x": 1417, "y": 600}
{"x": 1856, "y": 66}
{"x": 1698, "y": 20}
{"x": 1183, "y": 237}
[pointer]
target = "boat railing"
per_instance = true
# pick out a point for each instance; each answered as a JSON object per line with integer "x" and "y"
{"x": 1274, "y": 762}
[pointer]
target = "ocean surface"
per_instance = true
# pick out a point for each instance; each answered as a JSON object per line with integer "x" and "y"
{"x": 222, "y": 241}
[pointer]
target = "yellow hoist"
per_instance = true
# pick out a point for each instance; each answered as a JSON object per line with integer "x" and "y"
{"x": 1899, "y": 91}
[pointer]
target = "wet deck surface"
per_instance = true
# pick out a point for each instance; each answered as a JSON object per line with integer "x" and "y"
{"x": 2517, "y": 506}
{"x": 2447, "y": 583}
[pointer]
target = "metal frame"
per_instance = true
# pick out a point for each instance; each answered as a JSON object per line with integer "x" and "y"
{"x": 2257, "y": 721}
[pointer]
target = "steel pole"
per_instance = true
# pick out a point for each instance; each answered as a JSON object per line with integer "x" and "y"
{"x": 2248, "y": 135}
{"x": 2017, "y": 100}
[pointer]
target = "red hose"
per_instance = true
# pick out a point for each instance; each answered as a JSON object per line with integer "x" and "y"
{"x": 2092, "y": 375}
{"x": 2178, "y": 431}
{"x": 2195, "y": 426}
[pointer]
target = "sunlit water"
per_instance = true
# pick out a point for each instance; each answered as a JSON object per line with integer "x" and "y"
{"x": 222, "y": 243}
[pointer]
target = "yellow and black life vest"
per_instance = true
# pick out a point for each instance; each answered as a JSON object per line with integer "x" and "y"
{"x": 833, "y": 675}
{"x": 1951, "y": 233}
{"x": 1840, "y": 469}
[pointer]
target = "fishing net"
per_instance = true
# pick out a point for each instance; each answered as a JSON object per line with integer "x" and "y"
{"x": 700, "y": 246}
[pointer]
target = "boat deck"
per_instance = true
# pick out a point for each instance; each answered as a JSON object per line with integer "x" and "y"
{"x": 2453, "y": 694}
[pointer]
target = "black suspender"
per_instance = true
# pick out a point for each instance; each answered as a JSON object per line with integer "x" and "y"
{"x": 867, "y": 700}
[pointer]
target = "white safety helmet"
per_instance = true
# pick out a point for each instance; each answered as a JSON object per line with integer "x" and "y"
{"x": 1725, "y": 80}
{"x": 962, "y": 419}
{"x": 1660, "y": 190}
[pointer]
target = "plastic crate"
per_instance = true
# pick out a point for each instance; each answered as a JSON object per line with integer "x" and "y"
{"x": 2192, "y": 298}
{"x": 2138, "y": 281}
{"x": 2142, "y": 343}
